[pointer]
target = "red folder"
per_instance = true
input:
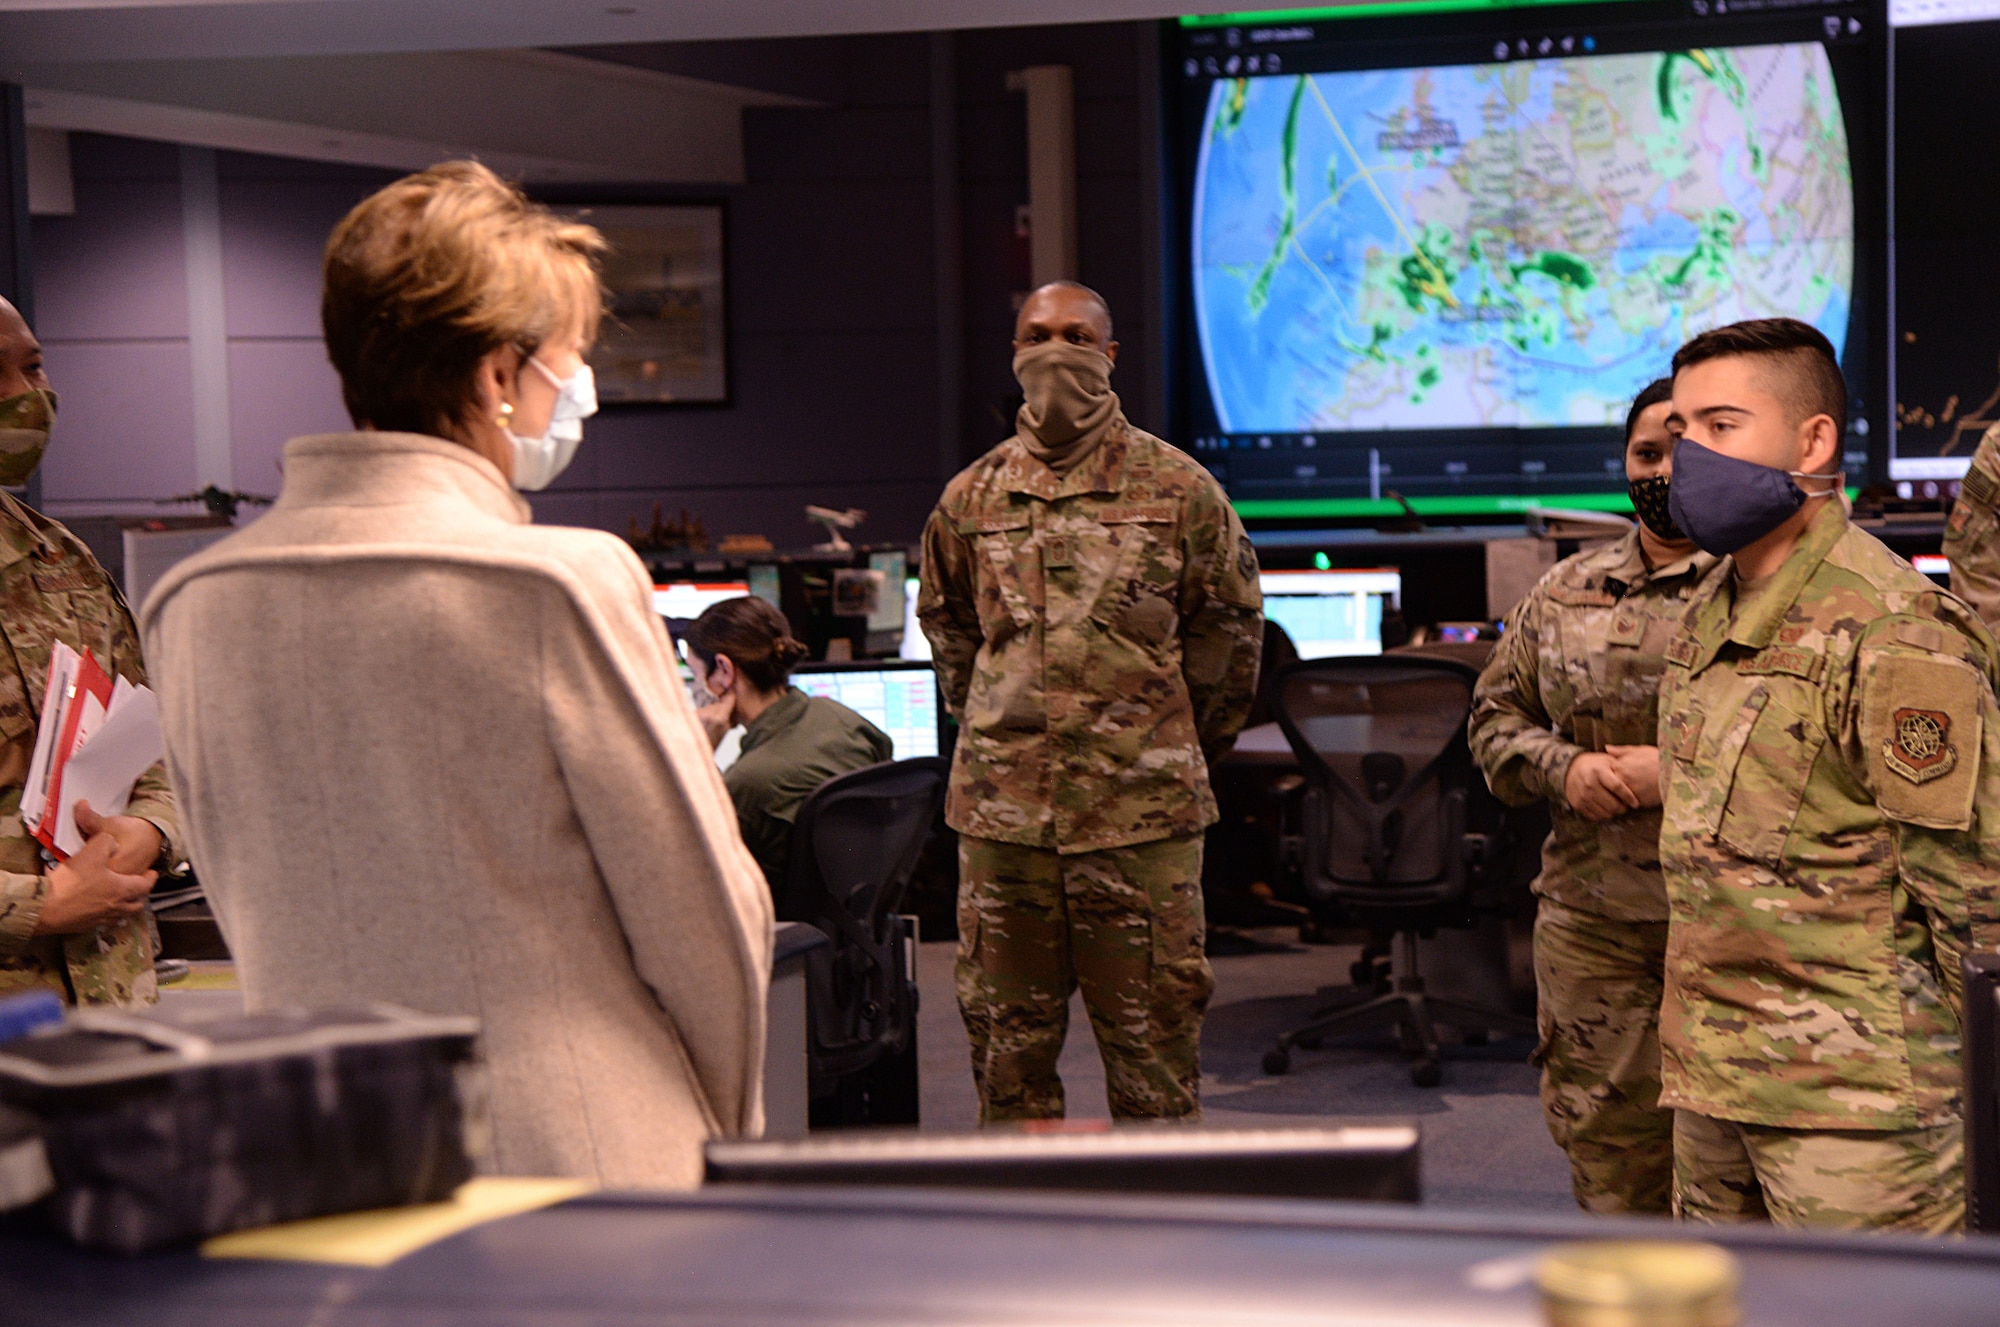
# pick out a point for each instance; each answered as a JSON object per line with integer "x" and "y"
{"x": 90, "y": 682}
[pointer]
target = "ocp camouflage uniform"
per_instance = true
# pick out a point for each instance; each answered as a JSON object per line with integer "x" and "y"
{"x": 51, "y": 589}
{"x": 1578, "y": 669}
{"x": 1096, "y": 633}
{"x": 1972, "y": 536}
{"x": 1830, "y": 752}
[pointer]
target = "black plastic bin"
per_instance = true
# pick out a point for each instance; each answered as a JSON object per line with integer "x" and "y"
{"x": 160, "y": 1131}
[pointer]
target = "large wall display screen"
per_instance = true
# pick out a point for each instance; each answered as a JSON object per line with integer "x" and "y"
{"x": 1438, "y": 248}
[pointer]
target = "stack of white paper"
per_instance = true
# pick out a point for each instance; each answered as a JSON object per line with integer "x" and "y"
{"x": 122, "y": 746}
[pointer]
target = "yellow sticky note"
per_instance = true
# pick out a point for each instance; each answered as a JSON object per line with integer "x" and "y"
{"x": 378, "y": 1238}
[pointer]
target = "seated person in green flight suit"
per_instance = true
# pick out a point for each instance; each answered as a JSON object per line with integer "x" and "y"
{"x": 742, "y": 653}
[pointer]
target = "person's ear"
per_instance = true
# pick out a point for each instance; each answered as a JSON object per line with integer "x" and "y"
{"x": 721, "y": 676}
{"x": 1111, "y": 351}
{"x": 1819, "y": 444}
{"x": 493, "y": 385}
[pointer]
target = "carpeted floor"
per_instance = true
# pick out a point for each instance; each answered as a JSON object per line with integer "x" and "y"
{"x": 1484, "y": 1143}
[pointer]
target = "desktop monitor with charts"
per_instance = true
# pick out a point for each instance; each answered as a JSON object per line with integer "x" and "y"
{"x": 897, "y": 696}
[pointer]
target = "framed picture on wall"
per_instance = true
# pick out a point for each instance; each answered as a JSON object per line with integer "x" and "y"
{"x": 665, "y": 339}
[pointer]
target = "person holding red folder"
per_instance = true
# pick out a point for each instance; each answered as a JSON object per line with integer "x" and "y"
{"x": 78, "y": 927}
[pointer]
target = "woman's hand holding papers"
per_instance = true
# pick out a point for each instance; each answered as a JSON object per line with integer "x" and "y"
{"x": 107, "y": 880}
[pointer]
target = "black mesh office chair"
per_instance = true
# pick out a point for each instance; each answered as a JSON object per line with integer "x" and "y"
{"x": 854, "y": 845}
{"x": 1390, "y": 841}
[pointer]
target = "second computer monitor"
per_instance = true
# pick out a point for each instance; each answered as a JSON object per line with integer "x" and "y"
{"x": 1329, "y": 613}
{"x": 1324, "y": 612}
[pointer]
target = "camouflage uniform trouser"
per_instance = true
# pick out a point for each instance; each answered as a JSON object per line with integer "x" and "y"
{"x": 1823, "y": 1179}
{"x": 1125, "y": 925}
{"x": 1598, "y": 986}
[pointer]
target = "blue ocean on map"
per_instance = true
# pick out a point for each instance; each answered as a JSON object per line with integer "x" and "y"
{"x": 1514, "y": 244}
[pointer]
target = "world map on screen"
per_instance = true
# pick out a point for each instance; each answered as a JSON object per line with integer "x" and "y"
{"x": 1511, "y": 244}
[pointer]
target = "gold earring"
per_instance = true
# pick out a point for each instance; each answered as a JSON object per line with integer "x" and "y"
{"x": 506, "y": 414}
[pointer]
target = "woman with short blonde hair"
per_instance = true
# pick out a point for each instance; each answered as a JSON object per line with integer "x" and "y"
{"x": 434, "y": 754}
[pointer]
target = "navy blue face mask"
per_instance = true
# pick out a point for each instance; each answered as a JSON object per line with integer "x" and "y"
{"x": 1725, "y": 504}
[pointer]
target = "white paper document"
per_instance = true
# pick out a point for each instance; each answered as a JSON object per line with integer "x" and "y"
{"x": 113, "y": 753}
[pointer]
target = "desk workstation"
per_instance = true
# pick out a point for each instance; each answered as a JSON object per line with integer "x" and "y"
{"x": 748, "y": 1256}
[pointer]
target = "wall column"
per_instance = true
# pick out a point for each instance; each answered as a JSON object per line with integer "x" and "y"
{"x": 208, "y": 330}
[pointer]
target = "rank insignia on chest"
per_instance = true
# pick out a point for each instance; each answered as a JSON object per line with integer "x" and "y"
{"x": 1920, "y": 746}
{"x": 1057, "y": 550}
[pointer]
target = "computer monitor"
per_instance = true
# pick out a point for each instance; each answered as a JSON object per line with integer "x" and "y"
{"x": 1329, "y": 613}
{"x": 689, "y": 598}
{"x": 1947, "y": 388}
{"x": 886, "y": 623}
{"x": 765, "y": 584}
{"x": 899, "y": 697}
{"x": 916, "y": 645}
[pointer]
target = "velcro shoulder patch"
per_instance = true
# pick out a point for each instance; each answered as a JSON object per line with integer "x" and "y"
{"x": 1921, "y": 728}
{"x": 1681, "y": 650}
{"x": 1923, "y": 635}
{"x": 1790, "y": 660}
{"x": 1979, "y": 487}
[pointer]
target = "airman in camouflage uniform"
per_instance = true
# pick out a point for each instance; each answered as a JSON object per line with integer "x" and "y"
{"x": 1577, "y": 671}
{"x": 1830, "y": 752}
{"x": 51, "y": 589}
{"x": 1972, "y": 538}
{"x": 1093, "y": 608}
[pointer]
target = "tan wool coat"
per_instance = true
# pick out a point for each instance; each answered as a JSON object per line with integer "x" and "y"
{"x": 430, "y": 753}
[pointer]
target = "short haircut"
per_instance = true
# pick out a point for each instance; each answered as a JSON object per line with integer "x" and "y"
{"x": 755, "y": 636}
{"x": 1804, "y": 372}
{"x": 1656, "y": 392}
{"x": 431, "y": 274}
{"x": 1079, "y": 288}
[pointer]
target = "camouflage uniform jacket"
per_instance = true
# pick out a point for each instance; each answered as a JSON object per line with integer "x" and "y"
{"x": 51, "y": 589}
{"x": 1096, "y": 633}
{"x": 1830, "y": 753}
{"x": 1579, "y": 669}
{"x": 1972, "y": 538}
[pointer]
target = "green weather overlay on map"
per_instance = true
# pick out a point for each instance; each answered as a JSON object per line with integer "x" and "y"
{"x": 1512, "y": 244}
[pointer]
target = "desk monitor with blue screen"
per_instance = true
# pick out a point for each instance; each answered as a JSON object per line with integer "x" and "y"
{"x": 897, "y": 696}
{"x": 1328, "y": 613}
{"x": 689, "y": 598}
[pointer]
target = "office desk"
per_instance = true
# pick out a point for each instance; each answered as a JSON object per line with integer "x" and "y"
{"x": 825, "y": 1256}
{"x": 1263, "y": 745}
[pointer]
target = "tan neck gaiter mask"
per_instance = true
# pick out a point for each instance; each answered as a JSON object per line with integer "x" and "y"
{"x": 1069, "y": 408}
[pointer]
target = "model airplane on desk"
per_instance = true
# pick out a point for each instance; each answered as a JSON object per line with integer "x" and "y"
{"x": 835, "y": 522}
{"x": 219, "y": 501}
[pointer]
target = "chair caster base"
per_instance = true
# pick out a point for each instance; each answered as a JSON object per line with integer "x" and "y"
{"x": 1277, "y": 1062}
{"x": 1427, "y": 1073}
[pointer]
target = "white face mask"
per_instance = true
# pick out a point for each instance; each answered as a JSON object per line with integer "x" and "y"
{"x": 537, "y": 461}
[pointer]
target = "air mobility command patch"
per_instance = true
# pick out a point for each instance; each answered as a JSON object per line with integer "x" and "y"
{"x": 1919, "y": 745}
{"x": 1920, "y": 726}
